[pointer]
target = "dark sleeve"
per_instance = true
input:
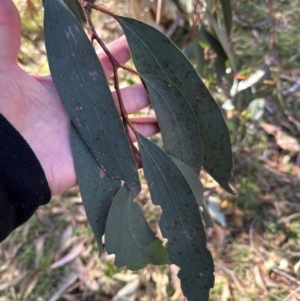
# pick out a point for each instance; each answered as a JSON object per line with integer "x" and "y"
{"x": 23, "y": 184}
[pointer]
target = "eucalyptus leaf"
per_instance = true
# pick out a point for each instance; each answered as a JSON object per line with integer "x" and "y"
{"x": 96, "y": 188}
{"x": 189, "y": 52}
{"x": 227, "y": 14}
{"x": 199, "y": 58}
{"x": 197, "y": 188}
{"x": 256, "y": 108}
{"x": 76, "y": 9}
{"x": 180, "y": 221}
{"x": 129, "y": 237}
{"x": 218, "y": 49}
{"x": 223, "y": 40}
{"x": 153, "y": 53}
{"x": 176, "y": 119}
{"x": 213, "y": 42}
{"x": 83, "y": 89}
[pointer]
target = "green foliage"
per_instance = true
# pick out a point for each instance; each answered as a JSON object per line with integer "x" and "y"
{"x": 97, "y": 189}
{"x": 264, "y": 174}
{"x": 178, "y": 124}
{"x": 222, "y": 39}
{"x": 197, "y": 189}
{"x": 180, "y": 221}
{"x": 193, "y": 130}
{"x": 153, "y": 53}
{"x": 81, "y": 84}
{"x": 227, "y": 14}
{"x": 136, "y": 245}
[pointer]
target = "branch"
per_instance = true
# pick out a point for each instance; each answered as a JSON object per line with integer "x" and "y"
{"x": 115, "y": 65}
{"x": 234, "y": 278}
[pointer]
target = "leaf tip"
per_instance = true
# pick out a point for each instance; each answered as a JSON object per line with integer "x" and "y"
{"x": 135, "y": 188}
{"x": 227, "y": 188}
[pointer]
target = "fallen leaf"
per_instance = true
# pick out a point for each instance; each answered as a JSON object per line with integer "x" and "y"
{"x": 258, "y": 277}
{"x": 65, "y": 284}
{"x": 75, "y": 252}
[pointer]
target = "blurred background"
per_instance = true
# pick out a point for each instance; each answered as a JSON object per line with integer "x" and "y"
{"x": 248, "y": 55}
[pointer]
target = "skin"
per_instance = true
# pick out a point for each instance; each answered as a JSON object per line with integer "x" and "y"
{"x": 31, "y": 103}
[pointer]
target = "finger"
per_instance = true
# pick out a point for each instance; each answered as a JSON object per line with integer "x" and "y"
{"x": 135, "y": 98}
{"x": 10, "y": 27}
{"x": 119, "y": 50}
{"x": 146, "y": 126}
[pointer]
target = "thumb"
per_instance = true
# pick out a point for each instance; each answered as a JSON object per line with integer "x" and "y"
{"x": 10, "y": 27}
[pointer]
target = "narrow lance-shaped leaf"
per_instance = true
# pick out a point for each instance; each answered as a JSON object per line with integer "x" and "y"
{"x": 227, "y": 14}
{"x": 176, "y": 120}
{"x": 218, "y": 49}
{"x": 222, "y": 39}
{"x": 82, "y": 87}
{"x": 129, "y": 237}
{"x": 96, "y": 188}
{"x": 153, "y": 53}
{"x": 199, "y": 58}
{"x": 180, "y": 221}
{"x": 75, "y": 8}
{"x": 197, "y": 188}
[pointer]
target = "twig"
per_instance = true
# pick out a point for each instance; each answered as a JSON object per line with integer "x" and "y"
{"x": 292, "y": 89}
{"x": 286, "y": 219}
{"x": 291, "y": 294}
{"x": 289, "y": 254}
{"x": 291, "y": 118}
{"x": 286, "y": 275}
{"x": 234, "y": 278}
{"x": 158, "y": 13}
{"x": 270, "y": 6}
{"x": 143, "y": 122}
{"x": 251, "y": 237}
{"x": 115, "y": 65}
{"x": 275, "y": 270}
{"x": 287, "y": 78}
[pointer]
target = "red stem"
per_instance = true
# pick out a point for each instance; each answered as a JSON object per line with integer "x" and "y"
{"x": 115, "y": 65}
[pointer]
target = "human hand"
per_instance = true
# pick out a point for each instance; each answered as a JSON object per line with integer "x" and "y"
{"x": 31, "y": 103}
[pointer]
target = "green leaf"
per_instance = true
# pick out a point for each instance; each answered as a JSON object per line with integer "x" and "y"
{"x": 153, "y": 53}
{"x": 188, "y": 51}
{"x": 82, "y": 87}
{"x": 227, "y": 14}
{"x": 176, "y": 120}
{"x": 199, "y": 58}
{"x": 96, "y": 188}
{"x": 129, "y": 237}
{"x": 180, "y": 221}
{"x": 76, "y": 9}
{"x": 256, "y": 108}
{"x": 197, "y": 188}
{"x": 213, "y": 42}
{"x": 223, "y": 40}
{"x": 218, "y": 49}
